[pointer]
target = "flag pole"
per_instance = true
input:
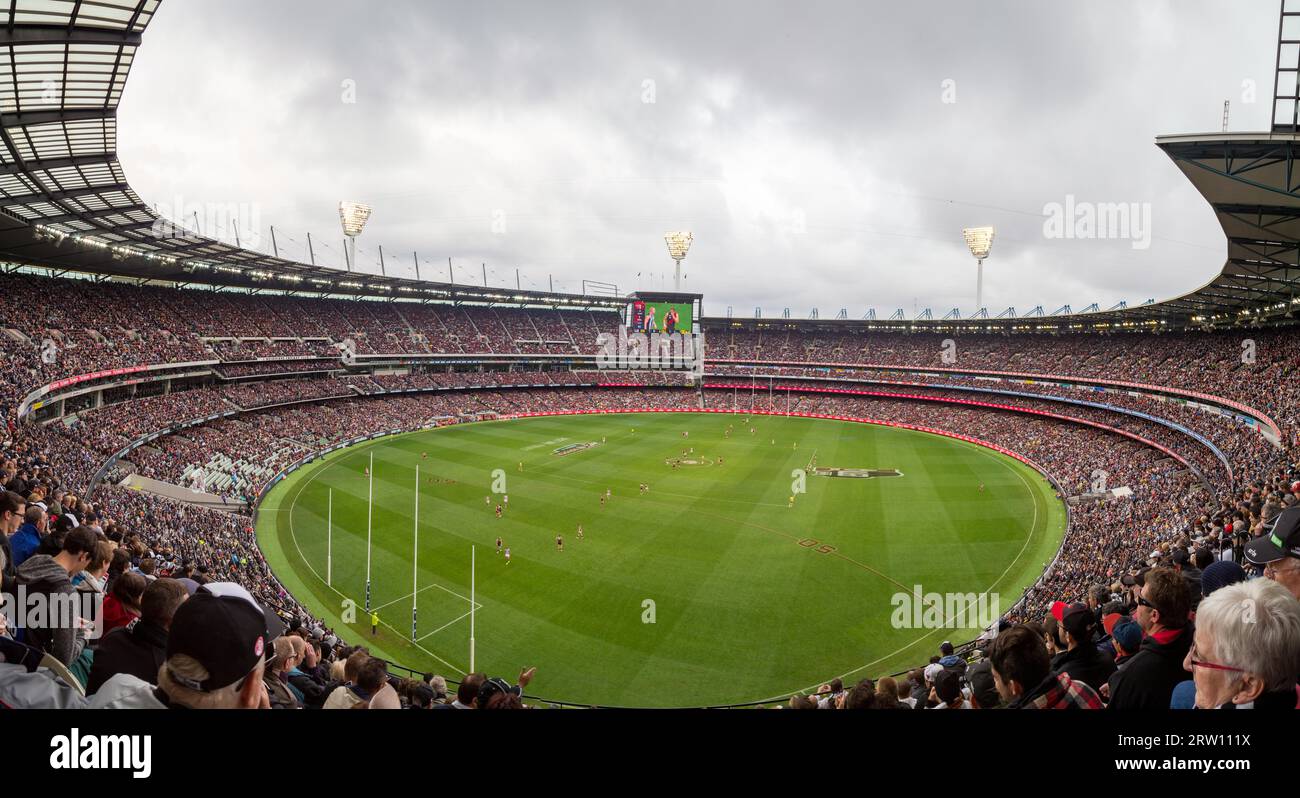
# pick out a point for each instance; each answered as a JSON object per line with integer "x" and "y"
{"x": 329, "y": 541}
{"x": 415, "y": 557}
{"x": 370, "y": 512}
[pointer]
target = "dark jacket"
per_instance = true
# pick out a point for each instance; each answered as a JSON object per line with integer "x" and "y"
{"x": 1085, "y": 664}
{"x": 8, "y": 571}
{"x": 61, "y": 638}
{"x": 314, "y": 691}
{"x": 139, "y": 651}
{"x": 1148, "y": 679}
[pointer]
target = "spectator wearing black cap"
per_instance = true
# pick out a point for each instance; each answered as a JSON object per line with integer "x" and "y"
{"x": 1081, "y": 659}
{"x": 947, "y": 691}
{"x": 1246, "y": 648}
{"x": 490, "y": 689}
{"x": 216, "y": 656}
{"x": 1023, "y": 675}
{"x": 1148, "y": 680}
{"x": 140, "y": 649}
{"x": 983, "y": 689}
{"x": 1278, "y": 551}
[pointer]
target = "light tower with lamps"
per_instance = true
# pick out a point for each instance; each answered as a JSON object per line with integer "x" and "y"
{"x": 354, "y": 216}
{"x": 678, "y": 245}
{"x": 980, "y": 242}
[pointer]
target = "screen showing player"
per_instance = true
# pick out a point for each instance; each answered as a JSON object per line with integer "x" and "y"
{"x": 662, "y": 317}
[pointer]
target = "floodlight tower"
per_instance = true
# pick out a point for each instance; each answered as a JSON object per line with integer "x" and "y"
{"x": 678, "y": 245}
{"x": 354, "y": 216}
{"x": 980, "y": 242}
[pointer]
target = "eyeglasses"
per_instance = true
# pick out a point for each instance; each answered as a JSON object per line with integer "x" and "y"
{"x": 1272, "y": 567}
{"x": 1196, "y": 663}
{"x": 1143, "y": 602}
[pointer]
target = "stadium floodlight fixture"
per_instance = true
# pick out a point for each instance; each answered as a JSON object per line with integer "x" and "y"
{"x": 354, "y": 216}
{"x": 679, "y": 244}
{"x": 980, "y": 242}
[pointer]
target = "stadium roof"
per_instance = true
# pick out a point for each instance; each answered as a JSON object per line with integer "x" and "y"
{"x": 65, "y": 202}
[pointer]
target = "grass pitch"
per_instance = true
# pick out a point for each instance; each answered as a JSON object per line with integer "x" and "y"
{"x": 750, "y": 598}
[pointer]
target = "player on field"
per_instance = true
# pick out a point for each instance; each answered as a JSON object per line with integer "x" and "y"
{"x": 498, "y": 511}
{"x": 505, "y": 499}
{"x": 487, "y": 500}
{"x": 609, "y": 494}
{"x": 507, "y": 555}
{"x": 579, "y": 531}
{"x": 559, "y": 542}
{"x": 498, "y": 544}
{"x": 791, "y": 501}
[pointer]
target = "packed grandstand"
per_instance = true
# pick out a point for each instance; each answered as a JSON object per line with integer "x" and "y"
{"x": 1168, "y": 430}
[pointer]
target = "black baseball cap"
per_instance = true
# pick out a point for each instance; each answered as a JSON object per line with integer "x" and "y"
{"x": 1282, "y": 540}
{"x": 224, "y": 629}
{"x": 1078, "y": 620}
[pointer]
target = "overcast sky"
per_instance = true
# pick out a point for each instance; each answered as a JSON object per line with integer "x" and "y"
{"x": 824, "y": 154}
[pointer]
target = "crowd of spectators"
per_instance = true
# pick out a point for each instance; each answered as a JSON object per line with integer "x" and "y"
{"x": 1114, "y": 565}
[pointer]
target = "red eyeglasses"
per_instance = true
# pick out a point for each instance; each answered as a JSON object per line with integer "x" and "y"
{"x": 1196, "y": 663}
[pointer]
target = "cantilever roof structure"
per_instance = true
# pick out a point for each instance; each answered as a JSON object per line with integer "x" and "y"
{"x": 65, "y": 202}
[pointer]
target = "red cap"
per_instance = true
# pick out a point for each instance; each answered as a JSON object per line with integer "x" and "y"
{"x": 1058, "y": 610}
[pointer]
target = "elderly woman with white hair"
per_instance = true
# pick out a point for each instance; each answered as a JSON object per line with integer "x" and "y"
{"x": 1246, "y": 651}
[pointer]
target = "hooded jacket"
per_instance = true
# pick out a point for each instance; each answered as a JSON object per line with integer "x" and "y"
{"x": 64, "y": 640}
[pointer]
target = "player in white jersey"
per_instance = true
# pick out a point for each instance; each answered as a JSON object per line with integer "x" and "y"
{"x": 507, "y": 555}
{"x": 579, "y": 531}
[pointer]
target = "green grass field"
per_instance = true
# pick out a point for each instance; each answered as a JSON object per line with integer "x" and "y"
{"x": 749, "y": 604}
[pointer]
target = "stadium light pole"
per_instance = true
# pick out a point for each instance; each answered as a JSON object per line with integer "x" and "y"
{"x": 354, "y": 216}
{"x": 678, "y": 245}
{"x": 980, "y": 242}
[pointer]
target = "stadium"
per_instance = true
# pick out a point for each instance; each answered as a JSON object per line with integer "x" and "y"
{"x": 442, "y": 493}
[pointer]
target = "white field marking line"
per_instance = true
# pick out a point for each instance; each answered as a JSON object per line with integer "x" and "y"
{"x": 1033, "y": 498}
{"x": 477, "y": 605}
{"x": 444, "y": 626}
{"x": 315, "y": 573}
